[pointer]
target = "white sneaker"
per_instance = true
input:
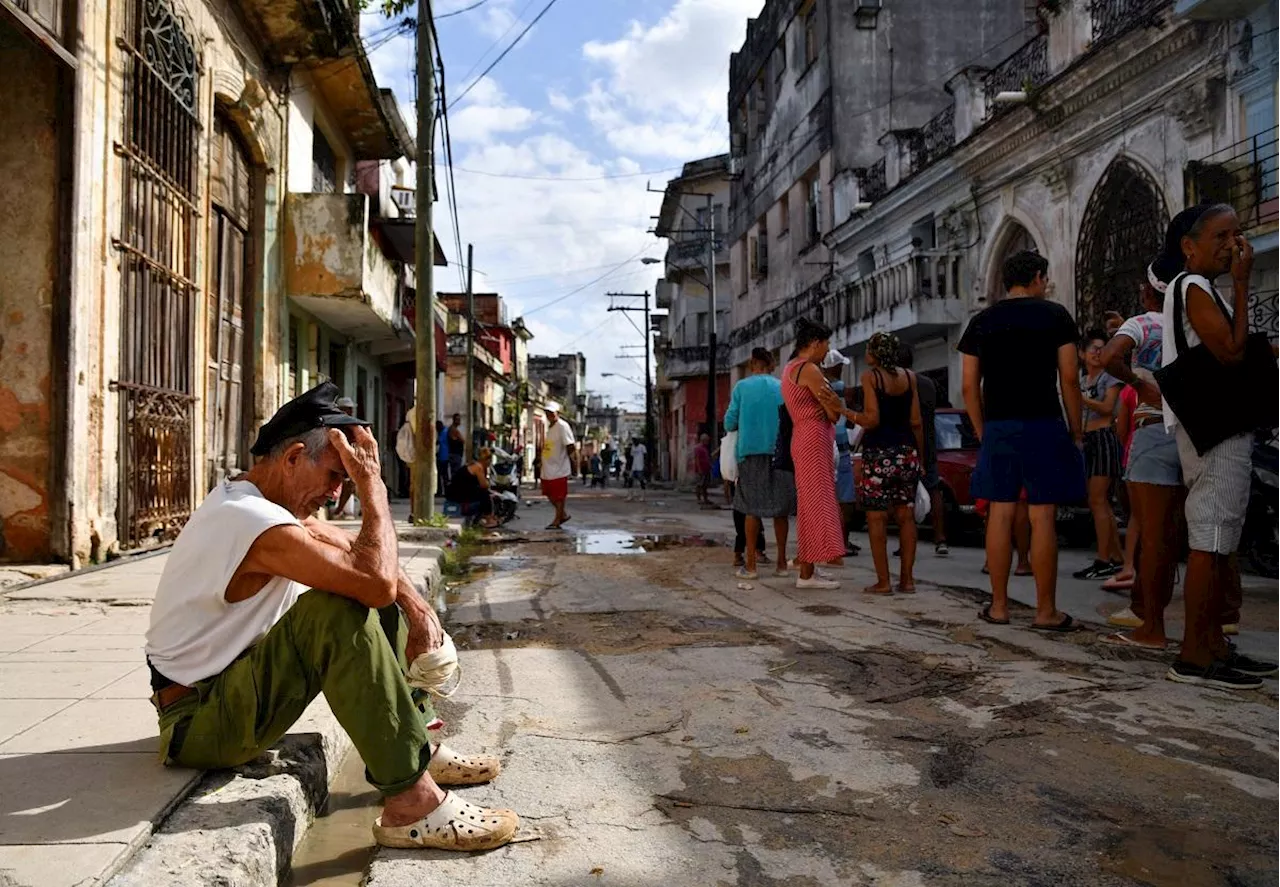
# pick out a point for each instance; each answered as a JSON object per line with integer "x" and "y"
{"x": 818, "y": 583}
{"x": 744, "y": 573}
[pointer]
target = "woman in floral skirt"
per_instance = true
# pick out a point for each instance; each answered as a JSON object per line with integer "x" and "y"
{"x": 891, "y": 451}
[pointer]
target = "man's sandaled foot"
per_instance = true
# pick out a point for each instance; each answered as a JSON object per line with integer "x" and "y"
{"x": 1063, "y": 626}
{"x": 985, "y": 615}
{"x": 878, "y": 589}
{"x": 907, "y": 587}
{"x": 454, "y": 825}
{"x": 448, "y": 768}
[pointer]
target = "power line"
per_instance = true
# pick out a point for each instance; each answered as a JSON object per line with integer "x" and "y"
{"x": 575, "y": 291}
{"x": 512, "y": 45}
{"x": 462, "y": 10}
{"x": 511, "y": 27}
{"x": 567, "y": 178}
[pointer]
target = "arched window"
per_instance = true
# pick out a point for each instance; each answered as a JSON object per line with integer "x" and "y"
{"x": 1122, "y": 231}
{"x": 1015, "y": 239}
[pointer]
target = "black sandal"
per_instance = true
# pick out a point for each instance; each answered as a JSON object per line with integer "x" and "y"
{"x": 1066, "y": 625}
{"x": 985, "y": 615}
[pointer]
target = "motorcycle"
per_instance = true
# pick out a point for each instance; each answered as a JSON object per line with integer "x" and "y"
{"x": 504, "y": 485}
{"x": 1261, "y": 540}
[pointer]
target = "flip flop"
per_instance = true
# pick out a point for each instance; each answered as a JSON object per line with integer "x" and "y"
{"x": 985, "y": 615}
{"x": 553, "y": 526}
{"x": 1065, "y": 626}
{"x": 1125, "y": 639}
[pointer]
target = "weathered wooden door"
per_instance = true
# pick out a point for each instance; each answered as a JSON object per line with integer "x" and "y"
{"x": 226, "y": 355}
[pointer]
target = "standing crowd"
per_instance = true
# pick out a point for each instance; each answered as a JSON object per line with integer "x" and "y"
{"x": 1161, "y": 409}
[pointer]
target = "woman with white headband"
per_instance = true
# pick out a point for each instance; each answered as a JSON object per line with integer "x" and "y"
{"x": 1153, "y": 474}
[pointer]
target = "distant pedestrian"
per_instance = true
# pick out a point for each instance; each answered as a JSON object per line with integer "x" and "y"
{"x": 814, "y": 409}
{"x": 927, "y": 391}
{"x": 891, "y": 449}
{"x": 559, "y": 461}
{"x": 1016, "y": 355}
{"x": 639, "y": 474}
{"x": 833, "y": 366}
{"x": 1210, "y": 243}
{"x": 443, "y": 472}
{"x": 702, "y": 469}
{"x": 1154, "y": 474}
{"x": 763, "y": 491}
{"x": 1100, "y": 392}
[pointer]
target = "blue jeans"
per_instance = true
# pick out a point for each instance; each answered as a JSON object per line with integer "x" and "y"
{"x": 1037, "y": 455}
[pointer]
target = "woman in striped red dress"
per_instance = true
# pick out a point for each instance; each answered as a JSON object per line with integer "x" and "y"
{"x": 814, "y": 408}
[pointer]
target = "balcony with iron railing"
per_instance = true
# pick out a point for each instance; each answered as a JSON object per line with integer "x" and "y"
{"x": 912, "y": 297}
{"x": 871, "y": 181}
{"x": 1023, "y": 71}
{"x": 934, "y": 140}
{"x": 1114, "y": 18}
{"x": 692, "y": 361}
{"x": 1242, "y": 175}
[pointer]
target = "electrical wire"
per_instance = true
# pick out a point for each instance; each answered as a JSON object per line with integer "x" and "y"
{"x": 478, "y": 3}
{"x": 512, "y": 45}
{"x": 620, "y": 175}
{"x": 576, "y": 290}
{"x": 511, "y": 27}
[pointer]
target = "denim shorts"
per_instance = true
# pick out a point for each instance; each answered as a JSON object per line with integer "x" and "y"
{"x": 1032, "y": 454}
{"x": 1153, "y": 457}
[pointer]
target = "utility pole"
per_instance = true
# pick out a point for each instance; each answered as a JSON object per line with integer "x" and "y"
{"x": 424, "y": 351}
{"x": 471, "y": 367}
{"x": 650, "y": 444}
{"x": 713, "y": 417}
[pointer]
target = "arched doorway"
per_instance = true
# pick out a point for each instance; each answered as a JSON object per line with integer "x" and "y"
{"x": 1122, "y": 231}
{"x": 228, "y": 355}
{"x": 1016, "y": 239}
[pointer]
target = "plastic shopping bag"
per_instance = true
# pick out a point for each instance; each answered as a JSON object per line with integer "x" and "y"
{"x": 923, "y": 502}
{"x": 729, "y": 457}
{"x": 855, "y": 436}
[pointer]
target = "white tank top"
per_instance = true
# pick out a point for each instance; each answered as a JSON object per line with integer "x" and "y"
{"x": 195, "y": 633}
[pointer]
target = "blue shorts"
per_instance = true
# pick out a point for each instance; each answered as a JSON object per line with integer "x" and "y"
{"x": 1153, "y": 457}
{"x": 1032, "y": 454}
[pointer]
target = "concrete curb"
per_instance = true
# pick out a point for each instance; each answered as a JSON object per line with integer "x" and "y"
{"x": 240, "y": 828}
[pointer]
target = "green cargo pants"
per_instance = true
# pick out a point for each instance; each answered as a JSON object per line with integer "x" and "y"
{"x": 327, "y": 644}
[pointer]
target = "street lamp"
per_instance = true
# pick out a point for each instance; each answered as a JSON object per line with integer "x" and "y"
{"x": 650, "y": 260}
{"x": 620, "y": 376}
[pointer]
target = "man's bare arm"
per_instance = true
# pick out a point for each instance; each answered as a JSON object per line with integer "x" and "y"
{"x": 971, "y": 387}
{"x": 369, "y": 570}
{"x": 1069, "y": 382}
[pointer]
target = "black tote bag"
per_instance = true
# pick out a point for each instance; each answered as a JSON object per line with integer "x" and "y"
{"x": 1215, "y": 401}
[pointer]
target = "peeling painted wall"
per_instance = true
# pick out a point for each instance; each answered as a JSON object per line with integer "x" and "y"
{"x": 29, "y": 257}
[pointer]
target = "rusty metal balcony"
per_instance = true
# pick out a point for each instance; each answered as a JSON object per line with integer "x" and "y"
{"x": 1242, "y": 175}
{"x": 335, "y": 269}
{"x": 692, "y": 361}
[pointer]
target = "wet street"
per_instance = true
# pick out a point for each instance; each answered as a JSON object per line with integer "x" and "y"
{"x": 663, "y": 723}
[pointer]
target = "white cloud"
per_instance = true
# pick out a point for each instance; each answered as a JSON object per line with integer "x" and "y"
{"x": 646, "y": 95}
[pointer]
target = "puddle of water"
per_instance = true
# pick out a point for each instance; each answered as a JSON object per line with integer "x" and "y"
{"x": 339, "y": 845}
{"x": 606, "y": 542}
{"x": 622, "y": 542}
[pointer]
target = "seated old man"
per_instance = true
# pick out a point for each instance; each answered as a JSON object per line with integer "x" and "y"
{"x": 261, "y": 607}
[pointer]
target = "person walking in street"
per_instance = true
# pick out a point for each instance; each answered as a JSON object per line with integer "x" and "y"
{"x": 639, "y": 476}
{"x": 763, "y": 491}
{"x": 891, "y": 449}
{"x": 814, "y": 409}
{"x": 1100, "y": 392}
{"x": 702, "y": 470}
{"x": 927, "y": 392}
{"x": 846, "y": 493}
{"x": 1016, "y": 354}
{"x": 559, "y": 463}
{"x": 1208, "y": 241}
{"x": 261, "y": 608}
{"x": 1154, "y": 474}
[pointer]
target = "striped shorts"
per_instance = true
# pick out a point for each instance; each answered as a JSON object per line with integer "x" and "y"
{"x": 1103, "y": 456}
{"x": 1218, "y": 485}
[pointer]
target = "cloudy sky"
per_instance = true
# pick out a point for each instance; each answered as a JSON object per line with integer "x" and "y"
{"x": 553, "y": 149}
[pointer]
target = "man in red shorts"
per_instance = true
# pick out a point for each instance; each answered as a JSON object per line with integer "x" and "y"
{"x": 559, "y": 462}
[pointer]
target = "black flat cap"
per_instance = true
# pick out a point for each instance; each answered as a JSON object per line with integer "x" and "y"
{"x": 316, "y": 408}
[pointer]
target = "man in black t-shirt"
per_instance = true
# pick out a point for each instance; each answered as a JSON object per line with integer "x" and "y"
{"x": 1016, "y": 356}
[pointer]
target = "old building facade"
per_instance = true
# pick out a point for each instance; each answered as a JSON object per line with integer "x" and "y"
{"x": 195, "y": 155}
{"x": 1120, "y": 114}
{"x": 692, "y": 220}
{"x": 814, "y": 90}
